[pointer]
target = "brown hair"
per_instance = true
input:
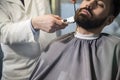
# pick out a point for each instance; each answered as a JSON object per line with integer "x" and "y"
{"x": 116, "y": 7}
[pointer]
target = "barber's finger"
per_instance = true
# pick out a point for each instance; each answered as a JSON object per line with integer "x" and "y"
{"x": 60, "y": 22}
{"x": 73, "y": 1}
{"x": 57, "y": 17}
{"x": 60, "y": 25}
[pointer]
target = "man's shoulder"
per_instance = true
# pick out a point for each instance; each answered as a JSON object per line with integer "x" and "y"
{"x": 112, "y": 38}
{"x": 61, "y": 41}
{"x": 64, "y": 38}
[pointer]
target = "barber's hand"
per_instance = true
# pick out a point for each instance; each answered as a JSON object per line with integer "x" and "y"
{"x": 48, "y": 23}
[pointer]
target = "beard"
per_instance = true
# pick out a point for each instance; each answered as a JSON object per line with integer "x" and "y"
{"x": 88, "y": 23}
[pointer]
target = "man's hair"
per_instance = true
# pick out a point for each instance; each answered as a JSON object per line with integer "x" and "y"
{"x": 116, "y": 7}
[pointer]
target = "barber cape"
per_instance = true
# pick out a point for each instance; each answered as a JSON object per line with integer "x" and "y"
{"x": 71, "y": 57}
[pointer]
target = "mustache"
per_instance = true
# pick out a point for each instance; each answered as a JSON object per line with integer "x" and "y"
{"x": 85, "y": 8}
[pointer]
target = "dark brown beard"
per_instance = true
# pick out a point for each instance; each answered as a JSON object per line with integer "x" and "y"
{"x": 86, "y": 22}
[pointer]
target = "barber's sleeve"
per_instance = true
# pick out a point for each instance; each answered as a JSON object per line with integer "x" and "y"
{"x": 35, "y": 32}
{"x": 15, "y": 32}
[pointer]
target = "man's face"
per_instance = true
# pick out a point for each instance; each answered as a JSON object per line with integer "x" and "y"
{"x": 92, "y": 13}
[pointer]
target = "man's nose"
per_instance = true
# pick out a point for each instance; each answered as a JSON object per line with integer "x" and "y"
{"x": 91, "y": 4}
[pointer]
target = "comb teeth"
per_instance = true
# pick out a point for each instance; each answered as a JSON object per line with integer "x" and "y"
{"x": 69, "y": 20}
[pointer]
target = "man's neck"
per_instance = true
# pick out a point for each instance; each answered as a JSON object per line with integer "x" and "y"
{"x": 90, "y": 31}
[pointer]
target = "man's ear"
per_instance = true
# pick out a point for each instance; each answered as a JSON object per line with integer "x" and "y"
{"x": 110, "y": 19}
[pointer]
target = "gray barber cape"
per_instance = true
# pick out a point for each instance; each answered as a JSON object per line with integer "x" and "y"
{"x": 71, "y": 58}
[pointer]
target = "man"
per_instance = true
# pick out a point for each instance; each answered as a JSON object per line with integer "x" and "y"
{"x": 20, "y": 38}
{"x": 86, "y": 54}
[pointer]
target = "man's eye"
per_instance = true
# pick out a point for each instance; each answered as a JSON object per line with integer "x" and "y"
{"x": 100, "y": 3}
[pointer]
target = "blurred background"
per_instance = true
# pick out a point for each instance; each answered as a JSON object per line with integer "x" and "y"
{"x": 65, "y": 9}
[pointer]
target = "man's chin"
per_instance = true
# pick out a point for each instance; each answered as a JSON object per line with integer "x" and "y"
{"x": 83, "y": 18}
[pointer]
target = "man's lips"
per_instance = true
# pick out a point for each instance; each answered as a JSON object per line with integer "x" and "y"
{"x": 86, "y": 12}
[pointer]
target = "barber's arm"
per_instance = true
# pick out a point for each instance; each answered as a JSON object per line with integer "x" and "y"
{"x": 21, "y": 32}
